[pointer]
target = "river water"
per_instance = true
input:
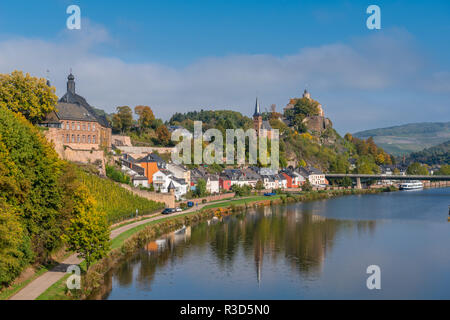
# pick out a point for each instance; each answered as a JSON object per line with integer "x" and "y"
{"x": 313, "y": 250}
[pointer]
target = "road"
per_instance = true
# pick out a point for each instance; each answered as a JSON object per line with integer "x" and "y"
{"x": 39, "y": 285}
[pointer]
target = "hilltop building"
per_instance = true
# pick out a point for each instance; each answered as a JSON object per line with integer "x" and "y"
{"x": 317, "y": 123}
{"x": 77, "y": 131}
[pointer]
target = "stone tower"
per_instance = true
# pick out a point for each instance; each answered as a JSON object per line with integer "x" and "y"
{"x": 257, "y": 118}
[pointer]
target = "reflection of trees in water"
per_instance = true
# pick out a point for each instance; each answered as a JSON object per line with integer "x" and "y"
{"x": 279, "y": 232}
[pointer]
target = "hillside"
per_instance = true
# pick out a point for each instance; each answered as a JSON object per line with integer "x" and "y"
{"x": 439, "y": 154}
{"x": 326, "y": 150}
{"x": 117, "y": 202}
{"x": 413, "y": 137}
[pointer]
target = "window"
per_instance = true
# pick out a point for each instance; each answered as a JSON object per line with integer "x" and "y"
{"x": 89, "y": 139}
{"x": 73, "y": 125}
{"x": 73, "y": 138}
{"x": 89, "y": 127}
{"x": 67, "y": 138}
{"x": 93, "y": 127}
{"x": 67, "y": 125}
{"x": 93, "y": 139}
{"x": 63, "y": 138}
{"x": 78, "y": 138}
{"x": 83, "y": 139}
{"x": 78, "y": 126}
{"x": 84, "y": 127}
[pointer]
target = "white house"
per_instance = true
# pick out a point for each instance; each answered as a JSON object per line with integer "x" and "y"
{"x": 140, "y": 181}
{"x": 212, "y": 184}
{"x": 163, "y": 178}
{"x": 314, "y": 175}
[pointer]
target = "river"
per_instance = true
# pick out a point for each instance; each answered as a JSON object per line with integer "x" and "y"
{"x": 312, "y": 250}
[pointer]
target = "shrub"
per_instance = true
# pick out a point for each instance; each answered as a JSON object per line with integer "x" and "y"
{"x": 117, "y": 175}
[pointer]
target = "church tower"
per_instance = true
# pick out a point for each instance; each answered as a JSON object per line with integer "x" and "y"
{"x": 71, "y": 83}
{"x": 257, "y": 118}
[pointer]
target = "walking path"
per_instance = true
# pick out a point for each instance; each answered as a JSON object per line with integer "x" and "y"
{"x": 39, "y": 285}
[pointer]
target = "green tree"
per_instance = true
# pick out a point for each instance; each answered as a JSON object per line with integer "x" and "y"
{"x": 259, "y": 185}
{"x": 444, "y": 170}
{"x": 416, "y": 168}
{"x": 30, "y": 173}
{"x": 125, "y": 115}
{"x": 200, "y": 188}
{"x": 306, "y": 186}
{"x": 88, "y": 233}
{"x": 15, "y": 247}
{"x": 27, "y": 95}
{"x": 116, "y": 123}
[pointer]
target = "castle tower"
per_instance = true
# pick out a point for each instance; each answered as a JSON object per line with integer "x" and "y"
{"x": 306, "y": 94}
{"x": 257, "y": 118}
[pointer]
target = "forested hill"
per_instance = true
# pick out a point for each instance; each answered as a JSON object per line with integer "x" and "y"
{"x": 439, "y": 154}
{"x": 299, "y": 146}
{"x": 413, "y": 137}
{"x": 218, "y": 119}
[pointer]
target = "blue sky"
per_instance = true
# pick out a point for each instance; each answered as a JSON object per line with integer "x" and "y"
{"x": 186, "y": 55}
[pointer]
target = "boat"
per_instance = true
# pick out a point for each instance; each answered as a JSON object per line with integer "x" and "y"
{"x": 411, "y": 185}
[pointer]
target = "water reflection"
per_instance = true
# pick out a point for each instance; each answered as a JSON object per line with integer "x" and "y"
{"x": 285, "y": 233}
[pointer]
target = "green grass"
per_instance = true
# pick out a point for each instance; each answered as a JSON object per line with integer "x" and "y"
{"x": 57, "y": 291}
{"x": 9, "y": 292}
{"x": 240, "y": 201}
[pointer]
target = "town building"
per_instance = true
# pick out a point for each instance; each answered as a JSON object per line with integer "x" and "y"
{"x": 163, "y": 181}
{"x": 294, "y": 179}
{"x": 314, "y": 175}
{"x": 77, "y": 131}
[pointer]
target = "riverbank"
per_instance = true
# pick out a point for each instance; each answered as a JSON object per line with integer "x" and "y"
{"x": 126, "y": 245}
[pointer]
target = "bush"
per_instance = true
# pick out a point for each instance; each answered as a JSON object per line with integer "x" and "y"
{"x": 117, "y": 175}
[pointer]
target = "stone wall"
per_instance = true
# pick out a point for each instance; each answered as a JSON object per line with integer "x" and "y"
{"x": 76, "y": 152}
{"x": 436, "y": 184}
{"x": 317, "y": 123}
{"x": 212, "y": 198}
{"x": 118, "y": 140}
{"x": 167, "y": 198}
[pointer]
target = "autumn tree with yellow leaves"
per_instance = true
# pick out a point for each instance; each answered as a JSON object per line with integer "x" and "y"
{"x": 88, "y": 232}
{"x": 27, "y": 95}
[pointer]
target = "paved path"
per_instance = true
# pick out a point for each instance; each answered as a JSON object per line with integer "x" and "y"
{"x": 39, "y": 285}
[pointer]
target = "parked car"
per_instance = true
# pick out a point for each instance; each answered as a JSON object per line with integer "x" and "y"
{"x": 178, "y": 209}
{"x": 190, "y": 204}
{"x": 269, "y": 194}
{"x": 168, "y": 211}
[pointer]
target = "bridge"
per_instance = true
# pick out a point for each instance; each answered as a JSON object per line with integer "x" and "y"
{"x": 358, "y": 177}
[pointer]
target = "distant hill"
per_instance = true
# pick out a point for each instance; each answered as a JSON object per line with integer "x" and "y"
{"x": 413, "y": 137}
{"x": 439, "y": 154}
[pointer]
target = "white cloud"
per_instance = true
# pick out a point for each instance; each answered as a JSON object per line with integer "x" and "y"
{"x": 371, "y": 66}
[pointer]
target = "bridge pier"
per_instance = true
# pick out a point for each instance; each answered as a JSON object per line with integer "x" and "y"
{"x": 358, "y": 183}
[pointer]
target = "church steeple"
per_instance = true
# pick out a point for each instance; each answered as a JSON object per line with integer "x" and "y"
{"x": 71, "y": 83}
{"x": 257, "y": 109}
